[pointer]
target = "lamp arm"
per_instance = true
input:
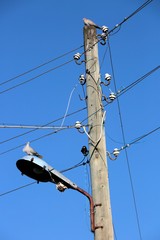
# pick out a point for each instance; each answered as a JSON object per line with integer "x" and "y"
{"x": 91, "y": 206}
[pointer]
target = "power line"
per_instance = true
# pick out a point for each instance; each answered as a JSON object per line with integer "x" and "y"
{"x": 144, "y": 136}
{"x": 124, "y": 141}
{"x": 33, "y": 78}
{"x": 131, "y": 15}
{"x": 29, "y": 80}
{"x": 139, "y": 138}
{"x": 68, "y": 104}
{"x": 36, "y": 128}
{"x": 39, "y": 66}
{"x": 133, "y": 84}
{"x": 119, "y": 93}
{"x": 16, "y": 189}
{"x": 119, "y": 24}
{"x": 81, "y": 163}
{"x": 21, "y": 126}
{"x": 43, "y": 136}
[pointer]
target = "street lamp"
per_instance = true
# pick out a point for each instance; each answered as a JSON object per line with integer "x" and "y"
{"x": 39, "y": 170}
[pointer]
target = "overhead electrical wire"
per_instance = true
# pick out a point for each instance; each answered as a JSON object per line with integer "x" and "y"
{"x": 21, "y": 126}
{"x": 122, "y": 22}
{"x": 141, "y": 137}
{"x": 118, "y": 25}
{"x": 124, "y": 141}
{"x": 82, "y": 163}
{"x": 21, "y": 145}
{"x": 133, "y": 84}
{"x": 67, "y": 53}
{"x": 68, "y": 104}
{"x": 22, "y": 134}
{"x": 33, "y": 78}
{"x": 104, "y": 55}
{"x": 39, "y": 66}
{"x": 16, "y": 189}
{"x": 37, "y": 128}
{"x": 119, "y": 93}
{"x": 131, "y": 15}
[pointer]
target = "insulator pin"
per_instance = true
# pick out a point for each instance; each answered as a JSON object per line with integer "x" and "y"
{"x": 116, "y": 152}
{"x": 78, "y": 125}
{"x": 107, "y": 77}
{"x": 82, "y": 79}
{"x": 112, "y": 96}
{"x": 105, "y": 29}
{"x": 77, "y": 56}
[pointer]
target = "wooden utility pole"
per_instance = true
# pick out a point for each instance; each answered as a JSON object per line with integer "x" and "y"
{"x": 97, "y": 143}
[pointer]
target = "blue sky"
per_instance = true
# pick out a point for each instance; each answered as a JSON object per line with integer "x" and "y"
{"x": 35, "y": 32}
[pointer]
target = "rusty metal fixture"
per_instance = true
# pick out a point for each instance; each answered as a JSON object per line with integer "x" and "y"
{"x": 91, "y": 206}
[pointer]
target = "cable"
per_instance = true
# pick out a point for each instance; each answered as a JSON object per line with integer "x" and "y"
{"x": 103, "y": 57}
{"x": 35, "y": 129}
{"x": 68, "y": 104}
{"x": 119, "y": 24}
{"x": 138, "y": 81}
{"x": 84, "y": 128}
{"x": 121, "y": 92}
{"x": 33, "y": 78}
{"x": 139, "y": 138}
{"x": 39, "y": 66}
{"x": 21, "y": 145}
{"x": 124, "y": 141}
{"x": 22, "y": 134}
{"x": 81, "y": 163}
{"x": 16, "y": 189}
{"x": 131, "y": 15}
{"x": 29, "y": 126}
{"x": 143, "y": 136}
{"x": 15, "y": 86}
{"x": 115, "y": 235}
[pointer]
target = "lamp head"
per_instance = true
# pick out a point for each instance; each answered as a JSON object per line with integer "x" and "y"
{"x": 39, "y": 170}
{"x": 35, "y": 168}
